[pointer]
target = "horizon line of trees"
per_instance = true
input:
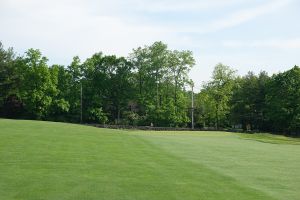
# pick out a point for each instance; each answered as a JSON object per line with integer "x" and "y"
{"x": 256, "y": 102}
{"x": 147, "y": 87}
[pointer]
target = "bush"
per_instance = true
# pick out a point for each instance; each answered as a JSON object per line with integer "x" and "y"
{"x": 131, "y": 118}
{"x": 97, "y": 115}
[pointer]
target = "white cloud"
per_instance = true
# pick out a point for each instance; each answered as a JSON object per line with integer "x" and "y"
{"x": 178, "y": 6}
{"x": 242, "y": 16}
{"x": 268, "y": 43}
{"x": 62, "y": 29}
{"x": 65, "y": 28}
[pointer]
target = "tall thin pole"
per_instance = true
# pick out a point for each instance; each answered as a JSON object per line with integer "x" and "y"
{"x": 192, "y": 106}
{"x": 80, "y": 102}
{"x": 157, "y": 98}
{"x": 157, "y": 102}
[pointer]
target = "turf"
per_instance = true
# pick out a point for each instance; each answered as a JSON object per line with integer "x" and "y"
{"x": 46, "y": 160}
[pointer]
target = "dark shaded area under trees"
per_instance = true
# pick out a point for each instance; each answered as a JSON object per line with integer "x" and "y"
{"x": 151, "y": 85}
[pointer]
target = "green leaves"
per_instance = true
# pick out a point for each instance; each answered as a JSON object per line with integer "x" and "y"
{"x": 38, "y": 88}
{"x": 97, "y": 115}
{"x": 255, "y": 102}
{"x": 283, "y": 97}
{"x": 248, "y": 101}
{"x": 216, "y": 96}
{"x": 148, "y": 87}
{"x": 160, "y": 78}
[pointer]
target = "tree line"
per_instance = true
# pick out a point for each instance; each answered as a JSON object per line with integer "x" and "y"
{"x": 251, "y": 102}
{"x": 150, "y": 86}
{"x": 147, "y": 87}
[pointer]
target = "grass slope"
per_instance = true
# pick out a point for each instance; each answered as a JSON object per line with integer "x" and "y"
{"x": 44, "y": 160}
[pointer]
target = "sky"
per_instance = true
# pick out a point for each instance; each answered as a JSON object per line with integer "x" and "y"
{"x": 247, "y": 35}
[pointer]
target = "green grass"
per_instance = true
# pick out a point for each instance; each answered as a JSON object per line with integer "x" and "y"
{"x": 269, "y": 138}
{"x": 44, "y": 160}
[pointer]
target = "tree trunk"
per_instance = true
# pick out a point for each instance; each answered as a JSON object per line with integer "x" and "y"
{"x": 119, "y": 111}
{"x": 175, "y": 92}
{"x": 217, "y": 116}
{"x": 140, "y": 84}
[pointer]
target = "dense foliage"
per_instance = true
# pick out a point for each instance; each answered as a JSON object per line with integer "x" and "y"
{"x": 147, "y": 87}
{"x": 251, "y": 102}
